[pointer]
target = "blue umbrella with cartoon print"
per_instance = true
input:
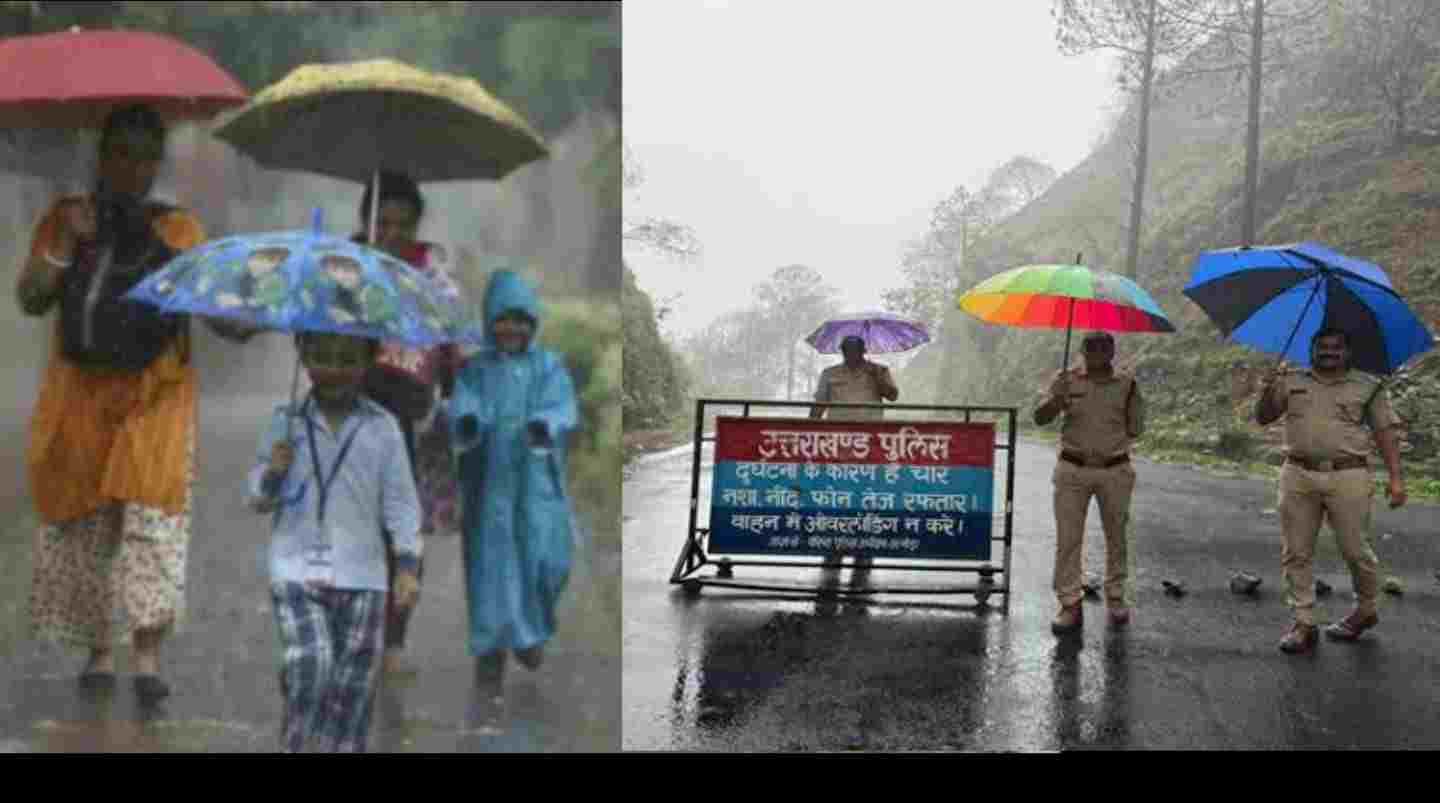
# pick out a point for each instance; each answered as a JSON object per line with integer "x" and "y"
{"x": 307, "y": 281}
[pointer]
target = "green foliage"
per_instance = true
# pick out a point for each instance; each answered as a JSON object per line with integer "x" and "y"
{"x": 588, "y": 333}
{"x": 654, "y": 384}
{"x": 605, "y": 173}
{"x": 551, "y": 64}
{"x": 548, "y": 68}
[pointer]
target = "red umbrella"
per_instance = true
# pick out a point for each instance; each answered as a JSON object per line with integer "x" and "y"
{"x": 73, "y": 79}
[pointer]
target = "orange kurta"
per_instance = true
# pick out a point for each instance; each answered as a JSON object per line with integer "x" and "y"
{"x": 97, "y": 437}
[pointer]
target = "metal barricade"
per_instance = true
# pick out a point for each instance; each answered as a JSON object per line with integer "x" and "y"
{"x": 920, "y": 483}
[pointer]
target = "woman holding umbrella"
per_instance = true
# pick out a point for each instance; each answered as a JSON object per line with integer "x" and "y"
{"x": 406, "y": 380}
{"x": 112, "y": 442}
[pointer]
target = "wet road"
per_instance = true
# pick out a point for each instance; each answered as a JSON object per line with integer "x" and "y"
{"x": 735, "y": 670}
{"x": 223, "y": 665}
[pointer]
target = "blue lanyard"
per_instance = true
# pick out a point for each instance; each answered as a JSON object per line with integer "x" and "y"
{"x": 322, "y": 483}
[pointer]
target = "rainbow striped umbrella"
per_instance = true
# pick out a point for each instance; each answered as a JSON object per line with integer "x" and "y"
{"x": 1065, "y": 297}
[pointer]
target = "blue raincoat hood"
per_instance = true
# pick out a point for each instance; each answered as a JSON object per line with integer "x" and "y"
{"x": 508, "y": 291}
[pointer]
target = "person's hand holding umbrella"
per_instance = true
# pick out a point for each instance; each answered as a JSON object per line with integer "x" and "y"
{"x": 78, "y": 222}
{"x": 1276, "y": 299}
{"x": 1060, "y": 390}
{"x": 883, "y": 380}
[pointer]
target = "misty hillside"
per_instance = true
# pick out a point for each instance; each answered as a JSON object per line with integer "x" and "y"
{"x": 1335, "y": 168}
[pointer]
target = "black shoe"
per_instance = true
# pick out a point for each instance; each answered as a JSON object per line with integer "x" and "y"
{"x": 151, "y": 689}
{"x": 490, "y": 673}
{"x": 531, "y": 658}
{"x": 97, "y": 681}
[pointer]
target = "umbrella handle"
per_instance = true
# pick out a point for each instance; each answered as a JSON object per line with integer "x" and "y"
{"x": 1296, "y": 329}
{"x": 317, "y": 220}
{"x": 374, "y": 206}
{"x": 294, "y": 385}
{"x": 1065, "y": 361}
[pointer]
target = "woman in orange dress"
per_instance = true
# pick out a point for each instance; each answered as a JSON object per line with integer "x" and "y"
{"x": 112, "y": 441}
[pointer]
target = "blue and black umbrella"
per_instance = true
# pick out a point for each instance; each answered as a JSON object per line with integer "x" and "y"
{"x": 1275, "y": 299}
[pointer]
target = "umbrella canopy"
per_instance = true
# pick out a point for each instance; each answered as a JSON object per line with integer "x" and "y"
{"x": 307, "y": 281}
{"x": 74, "y": 79}
{"x": 1274, "y": 299}
{"x": 1065, "y": 297}
{"x": 350, "y": 120}
{"x": 883, "y": 333}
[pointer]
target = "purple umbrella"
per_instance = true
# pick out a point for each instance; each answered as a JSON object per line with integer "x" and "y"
{"x": 883, "y": 332}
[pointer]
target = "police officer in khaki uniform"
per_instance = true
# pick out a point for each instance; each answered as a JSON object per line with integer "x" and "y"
{"x": 856, "y": 380}
{"x": 1327, "y": 474}
{"x": 1104, "y": 413}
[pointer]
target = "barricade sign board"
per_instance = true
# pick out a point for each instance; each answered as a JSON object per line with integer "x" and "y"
{"x": 906, "y": 498}
{"x": 793, "y": 486}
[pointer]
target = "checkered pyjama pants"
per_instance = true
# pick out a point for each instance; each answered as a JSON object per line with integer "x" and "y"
{"x": 332, "y": 642}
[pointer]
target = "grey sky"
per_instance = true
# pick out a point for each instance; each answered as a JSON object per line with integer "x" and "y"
{"x": 787, "y": 131}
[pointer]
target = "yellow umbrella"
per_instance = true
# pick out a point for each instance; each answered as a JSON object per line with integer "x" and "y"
{"x": 353, "y": 120}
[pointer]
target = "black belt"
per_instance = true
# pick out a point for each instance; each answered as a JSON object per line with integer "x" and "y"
{"x": 1099, "y": 462}
{"x": 1338, "y": 464}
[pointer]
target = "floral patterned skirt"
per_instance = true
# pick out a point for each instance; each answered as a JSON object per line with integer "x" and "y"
{"x": 101, "y": 577}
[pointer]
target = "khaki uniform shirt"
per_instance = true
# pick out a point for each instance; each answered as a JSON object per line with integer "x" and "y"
{"x": 840, "y": 384}
{"x": 1327, "y": 420}
{"x": 1105, "y": 416}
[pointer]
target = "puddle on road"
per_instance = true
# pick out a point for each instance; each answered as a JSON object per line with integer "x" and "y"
{"x": 140, "y": 736}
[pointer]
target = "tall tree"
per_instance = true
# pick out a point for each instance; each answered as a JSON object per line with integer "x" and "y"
{"x": 1149, "y": 35}
{"x": 653, "y": 384}
{"x": 1019, "y": 181}
{"x": 673, "y": 240}
{"x": 1252, "y": 124}
{"x": 1247, "y": 26}
{"x": 1387, "y": 46}
{"x": 938, "y": 264}
{"x": 794, "y": 300}
{"x": 653, "y": 387}
{"x": 929, "y": 281}
{"x": 733, "y": 356}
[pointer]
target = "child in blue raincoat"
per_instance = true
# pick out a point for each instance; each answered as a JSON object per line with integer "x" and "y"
{"x": 511, "y": 412}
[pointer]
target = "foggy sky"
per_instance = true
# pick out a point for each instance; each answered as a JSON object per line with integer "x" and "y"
{"x": 786, "y": 132}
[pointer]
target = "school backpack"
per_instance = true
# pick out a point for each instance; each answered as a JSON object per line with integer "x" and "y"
{"x": 98, "y": 326}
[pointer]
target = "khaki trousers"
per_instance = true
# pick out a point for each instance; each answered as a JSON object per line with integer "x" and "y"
{"x": 1345, "y": 499}
{"x": 1112, "y": 487}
